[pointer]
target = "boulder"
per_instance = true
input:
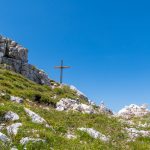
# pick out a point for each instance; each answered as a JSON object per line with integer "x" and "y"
{"x": 13, "y": 129}
{"x": 134, "y": 133}
{"x": 11, "y": 116}
{"x": 66, "y": 104}
{"x": 25, "y": 140}
{"x": 36, "y": 118}
{"x": 4, "y": 138}
{"x": 95, "y": 134}
{"x": 16, "y": 99}
{"x": 133, "y": 111}
{"x": 70, "y": 136}
{"x": 103, "y": 109}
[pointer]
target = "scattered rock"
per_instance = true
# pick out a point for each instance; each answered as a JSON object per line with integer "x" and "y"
{"x": 11, "y": 116}
{"x": 82, "y": 95}
{"x": 4, "y": 138}
{"x": 70, "y": 136}
{"x": 79, "y": 93}
{"x": 66, "y": 104}
{"x": 36, "y": 118}
{"x": 134, "y": 133}
{"x": 25, "y": 140}
{"x": 95, "y": 134}
{"x": 133, "y": 111}
{"x": 16, "y": 99}
{"x": 104, "y": 109}
{"x": 13, "y": 129}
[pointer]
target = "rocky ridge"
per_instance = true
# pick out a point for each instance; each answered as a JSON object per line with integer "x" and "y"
{"x": 14, "y": 57}
{"x": 72, "y": 118}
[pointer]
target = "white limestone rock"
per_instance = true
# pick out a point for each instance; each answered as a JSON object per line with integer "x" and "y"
{"x": 4, "y": 138}
{"x": 13, "y": 129}
{"x": 95, "y": 134}
{"x": 79, "y": 93}
{"x": 11, "y": 116}
{"x": 104, "y": 109}
{"x": 133, "y": 111}
{"x": 36, "y": 118}
{"x": 82, "y": 95}
{"x": 71, "y": 136}
{"x": 134, "y": 133}
{"x": 25, "y": 140}
{"x": 66, "y": 104}
{"x": 16, "y": 99}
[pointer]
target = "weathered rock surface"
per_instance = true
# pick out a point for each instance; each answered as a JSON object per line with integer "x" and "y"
{"x": 11, "y": 116}
{"x": 134, "y": 133}
{"x": 70, "y": 135}
{"x": 95, "y": 134}
{"x": 35, "y": 117}
{"x": 82, "y": 95}
{"x": 25, "y": 140}
{"x": 16, "y": 99}
{"x": 13, "y": 129}
{"x": 4, "y": 138}
{"x": 15, "y": 57}
{"x": 66, "y": 104}
{"x": 104, "y": 109}
{"x": 133, "y": 111}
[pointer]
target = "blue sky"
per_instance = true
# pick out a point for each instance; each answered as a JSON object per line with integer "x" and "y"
{"x": 107, "y": 43}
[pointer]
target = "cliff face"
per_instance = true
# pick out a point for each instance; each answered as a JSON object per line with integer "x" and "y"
{"x": 15, "y": 57}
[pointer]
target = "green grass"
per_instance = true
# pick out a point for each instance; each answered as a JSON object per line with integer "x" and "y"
{"x": 41, "y": 97}
{"x": 15, "y": 84}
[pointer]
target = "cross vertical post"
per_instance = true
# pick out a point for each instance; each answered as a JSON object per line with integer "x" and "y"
{"x": 61, "y": 72}
{"x": 61, "y": 67}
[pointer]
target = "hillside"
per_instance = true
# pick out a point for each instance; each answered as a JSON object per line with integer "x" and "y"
{"x": 37, "y": 113}
{"x": 60, "y": 129}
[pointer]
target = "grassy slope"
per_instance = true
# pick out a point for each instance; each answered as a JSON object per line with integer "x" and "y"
{"x": 15, "y": 84}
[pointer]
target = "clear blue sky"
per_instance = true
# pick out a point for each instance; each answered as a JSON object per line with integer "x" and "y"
{"x": 107, "y": 43}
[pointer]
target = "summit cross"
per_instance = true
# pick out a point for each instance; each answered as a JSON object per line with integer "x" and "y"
{"x": 61, "y": 67}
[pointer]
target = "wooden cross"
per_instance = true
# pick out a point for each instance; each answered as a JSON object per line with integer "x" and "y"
{"x": 61, "y": 67}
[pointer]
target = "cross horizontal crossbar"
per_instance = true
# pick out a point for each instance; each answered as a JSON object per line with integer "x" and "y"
{"x": 59, "y": 67}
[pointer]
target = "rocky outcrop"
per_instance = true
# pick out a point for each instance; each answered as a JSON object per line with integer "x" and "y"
{"x": 66, "y": 104}
{"x": 15, "y": 57}
{"x": 36, "y": 118}
{"x": 134, "y": 133}
{"x": 4, "y": 138}
{"x": 13, "y": 129}
{"x": 104, "y": 110}
{"x": 82, "y": 95}
{"x": 70, "y": 135}
{"x": 16, "y": 99}
{"x": 95, "y": 134}
{"x": 11, "y": 116}
{"x": 25, "y": 140}
{"x": 133, "y": 111}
